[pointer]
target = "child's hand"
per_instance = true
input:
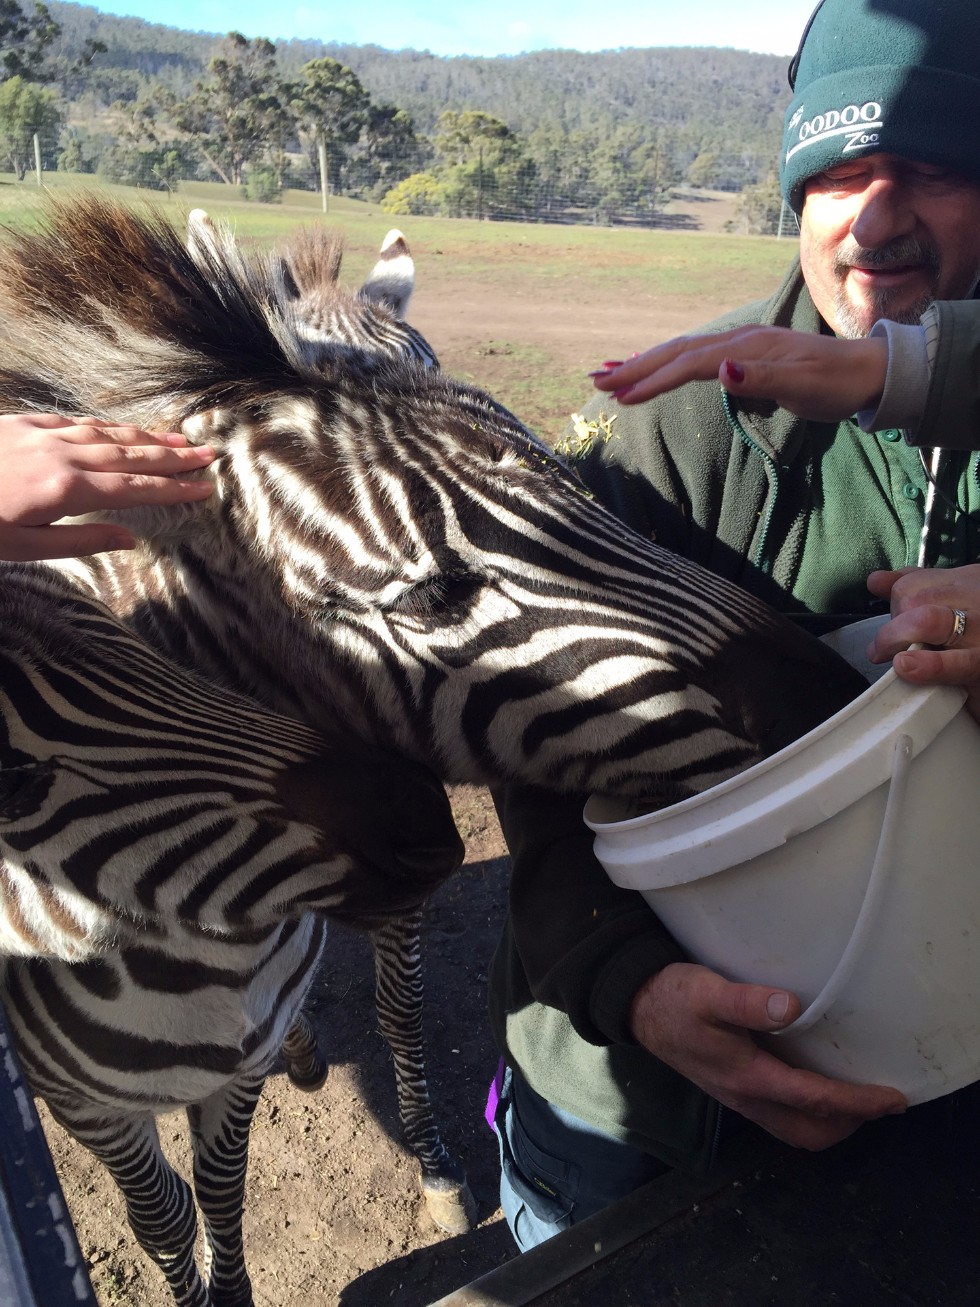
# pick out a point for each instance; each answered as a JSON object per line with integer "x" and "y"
{"x": 56, "y": 467}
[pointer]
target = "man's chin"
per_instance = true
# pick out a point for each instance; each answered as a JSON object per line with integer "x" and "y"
{"x": 856, "y": 315}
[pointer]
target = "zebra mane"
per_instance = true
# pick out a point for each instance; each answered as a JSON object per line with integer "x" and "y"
{"x": 107, "y": 311}
{"x": 311, "y": 261}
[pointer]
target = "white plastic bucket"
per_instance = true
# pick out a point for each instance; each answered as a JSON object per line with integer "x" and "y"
{"x": 845, "y": 868}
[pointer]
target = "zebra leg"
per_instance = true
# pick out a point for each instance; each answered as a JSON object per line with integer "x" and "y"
{"x": 159, "y": 1203}
{"x": 305, "y": 1065}
{"x": 398, "y": 993}
{"x": 220, "y": 1128}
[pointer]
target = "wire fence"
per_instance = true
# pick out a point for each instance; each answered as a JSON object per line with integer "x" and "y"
{"x": 567, "y": 189}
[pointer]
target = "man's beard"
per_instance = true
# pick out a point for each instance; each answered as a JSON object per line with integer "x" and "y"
{"x": 896, "y": 254}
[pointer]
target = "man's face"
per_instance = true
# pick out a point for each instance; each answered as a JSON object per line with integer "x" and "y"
{"x": 881, "y": 237}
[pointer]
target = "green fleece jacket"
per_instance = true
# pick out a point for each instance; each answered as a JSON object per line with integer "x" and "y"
{"x": 797, "y": 512}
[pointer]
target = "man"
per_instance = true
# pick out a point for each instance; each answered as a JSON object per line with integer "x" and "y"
{"x": 623, "y": 1058}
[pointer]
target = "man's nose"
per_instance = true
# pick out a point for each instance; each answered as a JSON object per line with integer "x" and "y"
{"x": 884, "y": 214}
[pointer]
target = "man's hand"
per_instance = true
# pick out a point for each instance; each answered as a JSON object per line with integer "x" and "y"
{"x": 922, "y": 602}
{"x": 56, "y": 467}
{"x": 702, "y": 1026}
{"x": 814, "y": 376}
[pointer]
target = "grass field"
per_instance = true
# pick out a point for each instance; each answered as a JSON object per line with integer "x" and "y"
{"x": 523, "y": 309}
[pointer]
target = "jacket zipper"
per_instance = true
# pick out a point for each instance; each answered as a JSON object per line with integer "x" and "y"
{"x": 772, "y": 474}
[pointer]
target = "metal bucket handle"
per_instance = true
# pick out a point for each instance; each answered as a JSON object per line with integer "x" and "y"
{"x": 873, "y": 895}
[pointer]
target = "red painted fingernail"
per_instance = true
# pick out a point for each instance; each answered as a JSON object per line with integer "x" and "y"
{"x": 614, "y": 363}
{"x": 622, "y": 393}
{"x": 599, "y": 372}
{"x": 734, "y": 371}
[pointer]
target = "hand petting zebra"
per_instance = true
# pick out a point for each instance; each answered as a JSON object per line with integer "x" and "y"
{"x": 387, "y": 556}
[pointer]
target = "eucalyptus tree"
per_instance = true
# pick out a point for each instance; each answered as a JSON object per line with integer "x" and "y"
{"x": 25, "y": 38}
{"x": 483, "y": 166}
{"x": 26, "y": 111}
{"x": 331, "y": 108}
{"x": 238, "y": 111}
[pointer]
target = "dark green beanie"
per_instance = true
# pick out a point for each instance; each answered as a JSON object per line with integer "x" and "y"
{"x": 884, "y": 76}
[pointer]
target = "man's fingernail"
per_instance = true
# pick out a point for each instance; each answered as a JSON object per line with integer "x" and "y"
{"x": 734, "y": 371}
{"x": 777, "y": 1005}
{"x": 121, "y": 542}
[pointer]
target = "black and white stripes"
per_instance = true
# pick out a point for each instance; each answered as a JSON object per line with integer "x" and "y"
{"x": 167, "y": 854}
{"x": 388, "y": 556}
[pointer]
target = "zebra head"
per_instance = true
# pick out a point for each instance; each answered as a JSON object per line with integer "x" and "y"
{"x": 388, "y": 552}
{"x": 304, "y": 275}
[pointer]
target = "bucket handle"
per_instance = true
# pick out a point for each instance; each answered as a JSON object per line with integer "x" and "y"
{"x": 873, "y": 895}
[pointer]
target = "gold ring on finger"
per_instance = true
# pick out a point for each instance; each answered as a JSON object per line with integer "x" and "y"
{"x": 958, "y": 631}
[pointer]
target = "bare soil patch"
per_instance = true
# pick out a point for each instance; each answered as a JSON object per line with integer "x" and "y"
{"x": 334, "y": 1214}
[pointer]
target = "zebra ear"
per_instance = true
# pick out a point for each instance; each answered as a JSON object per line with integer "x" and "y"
{"x": 213, "y": 247}
{"x": 285, "y": 280}
{"x": 202, "y": 234}
{"x": 392, "y": 278}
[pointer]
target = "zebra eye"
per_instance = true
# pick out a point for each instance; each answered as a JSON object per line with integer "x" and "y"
{"x": 437, "y": 597}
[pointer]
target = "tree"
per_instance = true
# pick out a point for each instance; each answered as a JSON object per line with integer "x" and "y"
{"x": 25, "y": 49}
{"x": 386, "y": 151}
{"x": 419, "y": 194}
{"x": 483, "y": 166}
{"x": 24, "y": 110}
{"x": 703, "y": 169}
{"x": 24, "y": 40}
{"x": 331, "y": 107}
{"x": 240, "y": 111}
{"x": 759, "y": 208}
{"x": 657, "y": 171}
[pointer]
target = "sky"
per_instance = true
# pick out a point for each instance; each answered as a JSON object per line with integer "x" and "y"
{"x": 495, "y": 27}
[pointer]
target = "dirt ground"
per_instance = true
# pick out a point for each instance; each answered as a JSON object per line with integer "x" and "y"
{"x": 333, "y": 1213}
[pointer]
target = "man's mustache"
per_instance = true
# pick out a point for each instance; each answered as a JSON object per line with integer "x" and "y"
{"x": 903, "y": 252}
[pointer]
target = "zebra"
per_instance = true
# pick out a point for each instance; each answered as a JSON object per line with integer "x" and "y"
{"x": 309, "y": 267}
{"x": 165, "y": 861}
{"x": 388, "y": 555}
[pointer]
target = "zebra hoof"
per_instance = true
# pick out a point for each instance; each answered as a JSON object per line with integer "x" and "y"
{"x": 310, "y": 1076}
{"x": 451, "y": 1204}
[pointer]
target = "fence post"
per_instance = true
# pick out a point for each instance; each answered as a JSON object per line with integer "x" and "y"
{"x": 321, "y": 150}
{"x": 37, "y": 157}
